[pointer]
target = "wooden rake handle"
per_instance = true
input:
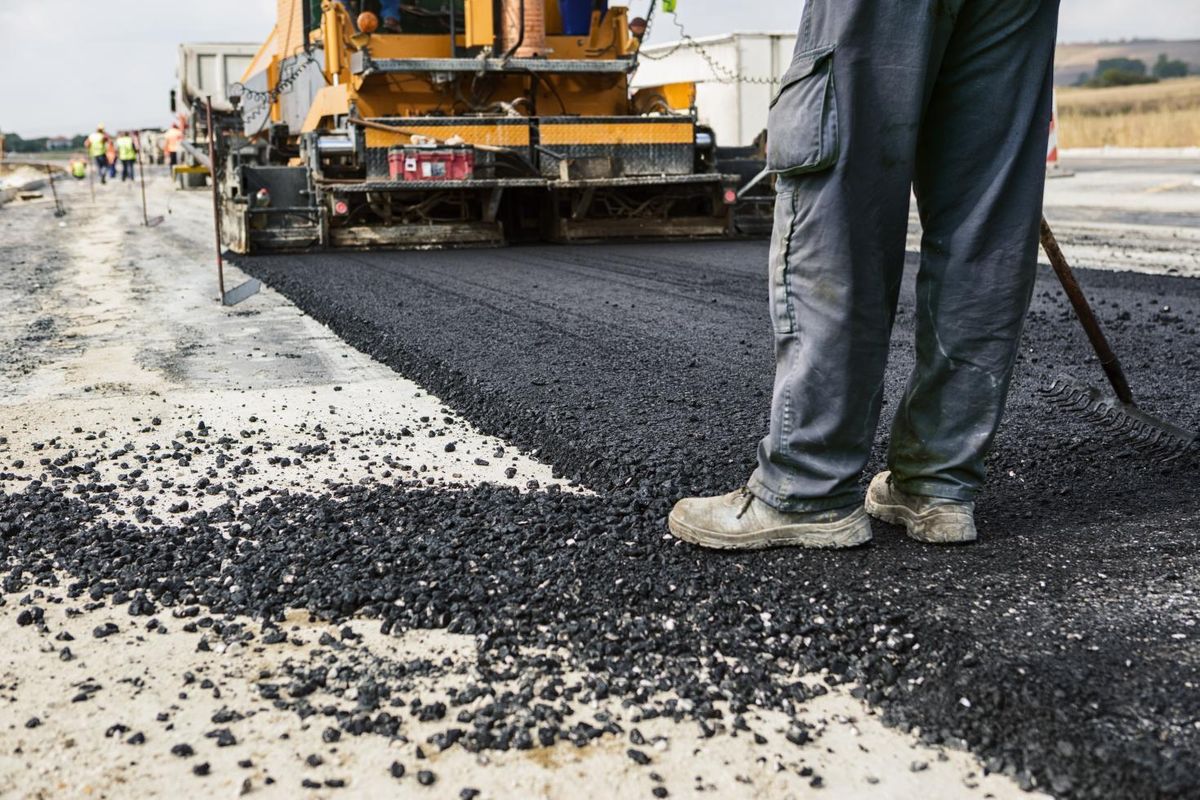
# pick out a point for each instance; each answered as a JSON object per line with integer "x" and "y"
{"x": 1091, "y": 326}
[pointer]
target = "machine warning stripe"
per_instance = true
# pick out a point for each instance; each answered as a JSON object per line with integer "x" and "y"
{"x": 497, "y": 135}
{"x": 616, "y": 133}
{"x": 514, "y": 133}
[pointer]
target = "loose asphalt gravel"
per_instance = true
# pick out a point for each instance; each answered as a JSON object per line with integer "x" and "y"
{"x": 1062, "y": 648}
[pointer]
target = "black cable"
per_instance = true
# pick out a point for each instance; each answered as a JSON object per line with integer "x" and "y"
{"x": 553, "y": 90}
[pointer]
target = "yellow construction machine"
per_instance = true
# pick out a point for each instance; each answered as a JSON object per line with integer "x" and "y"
{"x": 478, "y": 122}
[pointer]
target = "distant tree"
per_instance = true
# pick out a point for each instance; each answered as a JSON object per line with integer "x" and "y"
{"x": 1133, "y": 65}
{"x": 1169, "y": 68}
{"x": 1117, "y": 77}
{"x": 15, "y": 143}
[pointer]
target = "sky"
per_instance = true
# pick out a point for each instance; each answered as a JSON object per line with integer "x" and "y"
{"x": 69, "y": 64}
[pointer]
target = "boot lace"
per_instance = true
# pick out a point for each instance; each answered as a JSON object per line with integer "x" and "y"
{"x": 747, "y": 498}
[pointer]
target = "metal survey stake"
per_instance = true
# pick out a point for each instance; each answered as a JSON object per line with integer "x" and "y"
{"x": 148, "y": 221}
{"x": 59, "y": 211}
{"x": 250, "y": 287}
{"x": 212, "y": 179}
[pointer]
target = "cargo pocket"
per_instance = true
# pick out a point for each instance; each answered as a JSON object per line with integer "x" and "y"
{"x": 802, "y": 126}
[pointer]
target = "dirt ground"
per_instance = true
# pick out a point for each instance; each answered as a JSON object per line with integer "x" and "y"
{"x": 114, "y": 345}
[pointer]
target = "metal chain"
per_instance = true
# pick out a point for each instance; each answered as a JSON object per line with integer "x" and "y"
{"x": 253, "y": 98}
{"x": 722, "y": 73}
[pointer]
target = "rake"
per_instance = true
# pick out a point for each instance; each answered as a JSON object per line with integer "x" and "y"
{"x": 1148, "y": 434}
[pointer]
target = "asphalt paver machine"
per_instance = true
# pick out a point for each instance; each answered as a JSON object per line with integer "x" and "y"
{"x": 480, "y": 122}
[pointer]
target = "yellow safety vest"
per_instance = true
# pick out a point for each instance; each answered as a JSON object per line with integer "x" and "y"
{"x": 96, "y": 144}
{"x": 125, "y": 150}
{"x": 78, "y": 169}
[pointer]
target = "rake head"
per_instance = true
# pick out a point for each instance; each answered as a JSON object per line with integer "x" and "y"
{"x": 1147, "y": 434}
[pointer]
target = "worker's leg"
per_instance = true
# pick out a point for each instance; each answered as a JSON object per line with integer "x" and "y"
{"x": 850, "y": 117}
{"x": 389, "y": 13}
{"x": 102, "y": 167}
{"x": 980, "y": 171}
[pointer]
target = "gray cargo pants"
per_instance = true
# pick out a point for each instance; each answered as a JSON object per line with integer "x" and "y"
{"x": 952, "y": 98}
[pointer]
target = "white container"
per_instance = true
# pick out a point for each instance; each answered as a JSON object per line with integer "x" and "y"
{"x": 734, "y": 83}
{"x": 208, "y": 68}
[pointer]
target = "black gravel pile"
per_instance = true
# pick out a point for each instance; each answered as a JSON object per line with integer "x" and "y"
{"x": 1061, "y": 649}
{"x": 521, "y": 570}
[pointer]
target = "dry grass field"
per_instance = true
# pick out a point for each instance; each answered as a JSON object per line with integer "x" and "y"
{"x": 1165, "y": 114}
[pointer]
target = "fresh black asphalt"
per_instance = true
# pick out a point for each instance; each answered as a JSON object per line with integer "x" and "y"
{"x": 644, "y": 372}
{"x": 1062, "y": 649}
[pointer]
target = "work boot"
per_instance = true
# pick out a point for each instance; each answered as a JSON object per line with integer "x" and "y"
{"x": 936, "y": 520}
{"x": 740, "y": 521}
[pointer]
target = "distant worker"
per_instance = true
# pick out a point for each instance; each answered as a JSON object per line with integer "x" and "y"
{"x": 97, "y": 147}
{"x": 949, "y": 99}
{"x": 78, "y": 168}
{"x": 110, "y": 157}
{"x": 389, "y": 12}
{"x": 171, "y": 140}
{"x": 127, "y": 153}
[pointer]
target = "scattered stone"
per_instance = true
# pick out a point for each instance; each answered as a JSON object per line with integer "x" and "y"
{"x": 105, "y": 630}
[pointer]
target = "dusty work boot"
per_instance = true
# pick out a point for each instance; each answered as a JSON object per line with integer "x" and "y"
{"x": 936, "y": 520}
{"x": 740, "y": 521}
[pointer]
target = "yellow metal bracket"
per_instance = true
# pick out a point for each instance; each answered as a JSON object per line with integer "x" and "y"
{"x": 481, "y": 25}
{"x": 331, "y": 101}
{"x": 610, "y": 34}
{"x": 667, "y": 97}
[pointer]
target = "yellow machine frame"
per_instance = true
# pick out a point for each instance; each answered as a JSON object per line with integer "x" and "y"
{"x": 560, "y": 121}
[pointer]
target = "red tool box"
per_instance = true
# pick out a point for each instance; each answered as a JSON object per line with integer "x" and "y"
{"x": 431, "y": 163}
